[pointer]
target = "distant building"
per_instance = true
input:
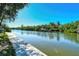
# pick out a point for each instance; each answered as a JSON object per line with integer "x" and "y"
{"x": 43, "y": 29}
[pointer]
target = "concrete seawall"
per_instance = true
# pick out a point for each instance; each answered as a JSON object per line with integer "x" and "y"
{"x": 22, "y": 48}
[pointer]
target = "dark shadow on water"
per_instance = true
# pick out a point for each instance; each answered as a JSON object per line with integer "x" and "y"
{"x": 58, "y": 36}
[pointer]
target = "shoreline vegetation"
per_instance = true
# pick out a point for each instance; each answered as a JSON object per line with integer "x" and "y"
{"x": 8, "y": 13}
{"x": 6, "y": 47}
{"x": 53, "y": 27}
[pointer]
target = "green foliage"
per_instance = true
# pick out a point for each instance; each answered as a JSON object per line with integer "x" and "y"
{"x": 69, "y": 28}
{"x": 6, "y": 28}
{"x": 9, "y": 51}
{"x": 46, "y": 27}
{"x": 8, "y": 11}
{"x": 3, "y": 37}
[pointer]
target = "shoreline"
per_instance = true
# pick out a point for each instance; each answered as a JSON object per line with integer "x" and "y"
{"x": 22, "y": 48}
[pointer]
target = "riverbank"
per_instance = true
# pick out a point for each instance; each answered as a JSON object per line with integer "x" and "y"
{"x": 22, "y": 48}
{"x": 6, "y": 48}
{"x": 52, "y": 27}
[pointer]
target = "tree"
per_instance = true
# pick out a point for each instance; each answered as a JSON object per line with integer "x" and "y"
{"x": 8, "y": 11}
{"x": 58, "y": 23}
{"x": 51, "y": 23}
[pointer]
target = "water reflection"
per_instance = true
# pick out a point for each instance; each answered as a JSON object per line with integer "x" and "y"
{"x": 54, "y": 35}
{"x": 22, "y": 32}
{"x": 41, "y": 34}
{"x": 72, "y": 37}
{"x": 52, "y": 43}
{"x": 58, "y": 36}
{"x": 50, "y": 35}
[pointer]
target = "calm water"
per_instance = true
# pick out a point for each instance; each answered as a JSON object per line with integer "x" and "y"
{"x": 52, "y": 43}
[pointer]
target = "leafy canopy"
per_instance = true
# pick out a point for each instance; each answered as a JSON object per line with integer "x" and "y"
{"x": 8, "y": 11}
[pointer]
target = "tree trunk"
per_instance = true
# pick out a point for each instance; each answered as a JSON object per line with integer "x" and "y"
{"x": 1, "y": 21}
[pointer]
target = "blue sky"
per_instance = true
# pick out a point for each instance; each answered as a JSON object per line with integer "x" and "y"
{"x": 44, "y": 13}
